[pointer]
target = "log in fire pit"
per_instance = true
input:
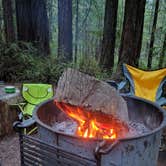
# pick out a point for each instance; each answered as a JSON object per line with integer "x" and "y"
{"x": 138, "y": 147}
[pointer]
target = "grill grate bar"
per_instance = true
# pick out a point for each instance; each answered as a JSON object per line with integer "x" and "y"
{"x": 29, "y": 162}
{"x": 39, "y": 153}
{"x": 38, "y": 158}
{"x": 45, "y": 159}
{"x": 35, "y": 152}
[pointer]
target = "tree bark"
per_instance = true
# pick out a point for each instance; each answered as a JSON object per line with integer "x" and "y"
{"x": 150, "y": 54}
{"x": 162, "y": 53}
{"x": 131, "y": 39}
{"x": 50, "y": 6}
{"x": 76, "y": 30}
{"x": 1, "y": 23}
{"x": 65, "y": 29}
{"x": 8, "y": 20}
{"x": 109, "y": 35}
{"x": 79, "y": 89}
{"x": 32, "y": 23}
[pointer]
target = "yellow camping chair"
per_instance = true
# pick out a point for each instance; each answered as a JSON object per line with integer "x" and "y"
{"x": 145, "y": 84}
{"x": 150, "y": 85}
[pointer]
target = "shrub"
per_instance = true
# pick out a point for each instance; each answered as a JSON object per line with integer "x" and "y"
{"x": 88, "y": 65}
{"x": 20, "y": 62}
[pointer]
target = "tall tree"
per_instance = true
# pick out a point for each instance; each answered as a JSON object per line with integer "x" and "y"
{"x": 50, "y": 9}
{"x": 65, "y": 29}
{"x": 76, "y": 30}
{"x": 108, "y": 43}
{"x": 161, "y": 60}
{"x": 1, "y": 22}
{"x": 8, "y": 20}
{"x": 131, "y": 39}
{"x": 32, "y": 23}
{"x": 150, "y": 54}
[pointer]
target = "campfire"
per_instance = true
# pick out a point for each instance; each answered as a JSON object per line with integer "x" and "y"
{"x": 97, "y": 108}
{"x": 59, "y": 124}
{"x": 94, "y": 124}
{"x": 89, "y": 124}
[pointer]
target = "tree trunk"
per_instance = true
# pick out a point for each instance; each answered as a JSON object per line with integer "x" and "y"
{"x": 162, "y": 53}
{"x": 109, "y": 35}
{"x": 76, "y": 30}
{"x": 131, "y": 39}
{"x": 65, "y": 29}
{"x": 8, "y": 20}
{"x": 150, "y": 54}
{"x": 50, "y": 4}
{"x": 1, "y": 23}
{"x": 32, "y": 23}
{"x": 149, "y": 27}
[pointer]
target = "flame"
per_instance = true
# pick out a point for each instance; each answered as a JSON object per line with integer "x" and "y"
{"x": 93, "y": 124}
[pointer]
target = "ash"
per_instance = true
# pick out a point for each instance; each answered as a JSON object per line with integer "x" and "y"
{"x": 136, "y": 129}
{"x": 67, "y": 127}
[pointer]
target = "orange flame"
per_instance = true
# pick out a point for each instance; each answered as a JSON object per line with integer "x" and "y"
{"x": 93, "y": 124}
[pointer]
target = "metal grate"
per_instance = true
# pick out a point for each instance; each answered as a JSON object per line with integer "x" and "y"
{"x": 35, "y": 152}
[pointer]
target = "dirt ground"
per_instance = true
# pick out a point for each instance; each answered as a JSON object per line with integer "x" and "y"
{"x": 9, "y": 151}
{"x": 10, "y": 154}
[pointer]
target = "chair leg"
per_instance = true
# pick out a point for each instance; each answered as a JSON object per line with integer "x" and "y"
{"x": 32, "y": 131}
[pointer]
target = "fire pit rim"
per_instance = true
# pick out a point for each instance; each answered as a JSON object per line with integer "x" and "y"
{"x": 163, "y": 123}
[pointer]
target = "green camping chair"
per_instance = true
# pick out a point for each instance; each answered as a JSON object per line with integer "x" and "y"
{"x": 33, "y": 95}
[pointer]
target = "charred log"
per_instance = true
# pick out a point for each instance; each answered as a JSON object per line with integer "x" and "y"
{"x": 82, "y": 90}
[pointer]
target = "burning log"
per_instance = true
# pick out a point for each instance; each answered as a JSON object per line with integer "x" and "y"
{"x": 79, "y": 89}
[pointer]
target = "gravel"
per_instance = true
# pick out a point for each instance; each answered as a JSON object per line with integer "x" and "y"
{"x": 9, "y": 151}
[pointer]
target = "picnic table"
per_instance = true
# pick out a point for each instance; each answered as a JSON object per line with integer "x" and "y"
{"x": 8, "y": 114}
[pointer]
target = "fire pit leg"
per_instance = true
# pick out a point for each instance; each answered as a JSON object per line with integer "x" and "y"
{"x": 19, "y": 127}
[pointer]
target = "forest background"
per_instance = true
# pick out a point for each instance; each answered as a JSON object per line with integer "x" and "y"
{"x": 39, "y": 38}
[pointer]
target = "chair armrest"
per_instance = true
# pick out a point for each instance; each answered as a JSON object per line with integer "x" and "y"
{"x": 112, "y": 83}
{"x": 19, "y": 105}
{"x": 119, "y": 86}
{"x": 122, "y": 84}
{"x": 162, "y": 101}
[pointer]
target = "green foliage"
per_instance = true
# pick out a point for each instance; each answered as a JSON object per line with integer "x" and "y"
{"x": 90, "y": 66}
{"x": 21, "y": 63}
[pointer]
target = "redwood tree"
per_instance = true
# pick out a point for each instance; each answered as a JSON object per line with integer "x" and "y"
{"x": 65, "y": 29}
{"x": 161, "y": 60}
{"x": 76, "y": 30}
{"x": 8, "y": 20}
{"x": 109, "y": 34}
{"x": 150, "y": 54}
{"x": 32, "y": 23}
{"x": 131, "y": 39}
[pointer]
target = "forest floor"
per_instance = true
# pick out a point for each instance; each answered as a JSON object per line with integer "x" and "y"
{"x": 10, "y": 153}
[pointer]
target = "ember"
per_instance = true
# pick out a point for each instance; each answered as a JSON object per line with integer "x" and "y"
{"x": 94, "y": 124}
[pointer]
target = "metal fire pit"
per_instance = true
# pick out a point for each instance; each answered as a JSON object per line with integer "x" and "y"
{"x": 65, "y": 150}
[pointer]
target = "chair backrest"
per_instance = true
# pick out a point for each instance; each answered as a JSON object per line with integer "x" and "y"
{"x": 145, "y": 84}
{"x": 37, "y": 93}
